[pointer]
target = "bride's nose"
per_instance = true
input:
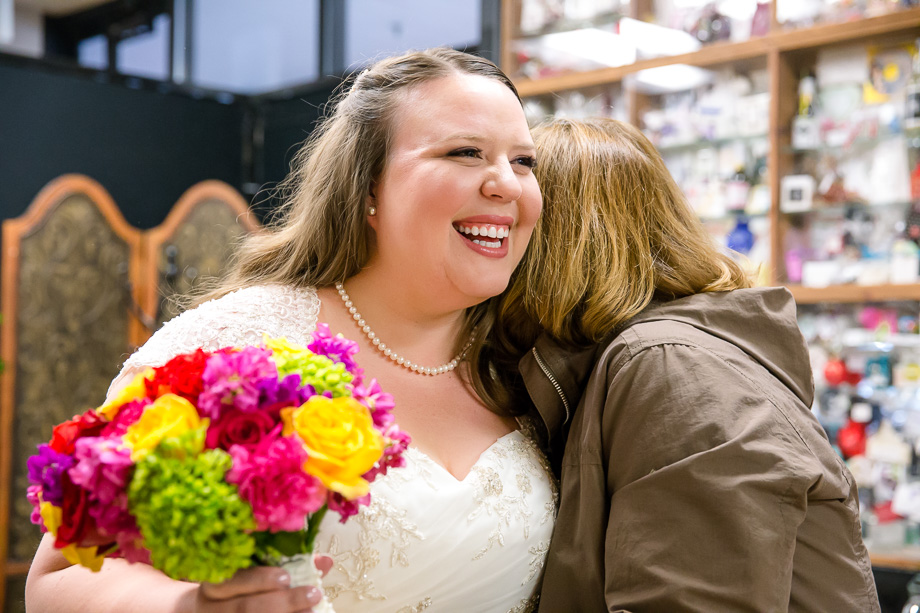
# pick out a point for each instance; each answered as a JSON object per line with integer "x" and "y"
{"x": 502, "y": 184}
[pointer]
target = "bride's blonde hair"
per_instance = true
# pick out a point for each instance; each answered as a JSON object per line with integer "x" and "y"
{"x": 320, "y": 233}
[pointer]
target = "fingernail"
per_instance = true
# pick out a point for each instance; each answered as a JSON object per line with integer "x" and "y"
{"x": 313, "y": 595}
{"x": 284, "y": 579}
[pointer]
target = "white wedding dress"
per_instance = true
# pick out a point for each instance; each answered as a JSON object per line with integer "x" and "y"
{"x": 428, "y": 541}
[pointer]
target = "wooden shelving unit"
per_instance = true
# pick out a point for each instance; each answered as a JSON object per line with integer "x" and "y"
{"x": 785, "y": 53}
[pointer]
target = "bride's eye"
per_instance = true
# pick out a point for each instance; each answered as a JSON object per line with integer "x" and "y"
{"x": 465, "y": 152}
{"x": 528, "y": 161}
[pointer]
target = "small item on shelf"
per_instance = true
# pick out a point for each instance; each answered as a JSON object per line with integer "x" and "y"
{"x": 905, "y": 262}
{"x": 737, "y": 190}
{"x": 808, "y": 89}
{"x": 797, "y": 193}
{"x": 889, "y": 71}
{"x": 806, "y": 133}
{"x": 851, "y": 439}
{"x": 912, "y": 93}
{"x": 741, "y": 239}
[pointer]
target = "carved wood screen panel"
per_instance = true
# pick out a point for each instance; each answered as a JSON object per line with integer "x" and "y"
{"x": 193, "y": 245}
{"x": 81, "y": 290}
{"x": 69, "y": 263}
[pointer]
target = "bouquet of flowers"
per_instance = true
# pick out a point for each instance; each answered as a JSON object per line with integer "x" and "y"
{"x": 220, "y": 460}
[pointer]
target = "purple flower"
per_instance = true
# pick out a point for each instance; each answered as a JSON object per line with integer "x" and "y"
{"x": 231, "y": 379}
{"x": 46, "y": 469}
{"x": 336, "y": 348}
{"x": 275, "y": 395}
{"x": 379, "y": 402}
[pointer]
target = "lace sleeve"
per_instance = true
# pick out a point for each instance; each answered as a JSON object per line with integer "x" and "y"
{"x": 239, "y": 318}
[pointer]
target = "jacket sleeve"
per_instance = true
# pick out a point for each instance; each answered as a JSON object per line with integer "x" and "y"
{"x": 708, "y": 482}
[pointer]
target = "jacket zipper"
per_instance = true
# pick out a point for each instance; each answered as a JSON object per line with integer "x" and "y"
{"x": 552, "y": 379}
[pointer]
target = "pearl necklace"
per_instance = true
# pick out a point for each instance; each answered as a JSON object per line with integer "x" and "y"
{"x": 392, "y": 355}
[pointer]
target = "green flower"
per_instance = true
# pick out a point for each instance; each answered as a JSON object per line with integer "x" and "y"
{"x": 319, "y": 371}
{"x": 194, "y": 523}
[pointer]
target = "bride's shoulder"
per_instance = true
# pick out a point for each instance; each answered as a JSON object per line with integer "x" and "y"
{"x": 241, "y": 317}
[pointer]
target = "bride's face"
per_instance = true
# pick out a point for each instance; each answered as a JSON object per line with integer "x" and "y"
{"x": 457, "y": 201}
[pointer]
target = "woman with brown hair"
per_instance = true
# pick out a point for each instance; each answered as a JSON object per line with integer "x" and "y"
{"x": 407, "y": 212}
{"x": 694, "y": 476}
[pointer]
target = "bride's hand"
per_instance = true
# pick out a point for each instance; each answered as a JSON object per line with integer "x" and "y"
{"x": 258, "y": 589}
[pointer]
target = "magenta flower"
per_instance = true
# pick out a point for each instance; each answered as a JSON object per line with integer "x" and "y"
{"x": 270, "y": 477}
{"x": 103, "y": 469}
{"x": 379, "y": 402}
{"x": 393, "y": 453}
{"x": 232, "y": 380}
{"x": 127, "y": 415}
{"x": 32, "y": 493}
{"x": 46, "y": 469}
{"x": 346, "y": 508}
{"x": 336, "y": 348}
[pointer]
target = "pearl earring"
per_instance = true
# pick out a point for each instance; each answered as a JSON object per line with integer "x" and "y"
{"x": 371, "y": 210}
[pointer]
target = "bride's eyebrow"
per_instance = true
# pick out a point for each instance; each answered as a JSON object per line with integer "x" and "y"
{"x": 475, "y": 138}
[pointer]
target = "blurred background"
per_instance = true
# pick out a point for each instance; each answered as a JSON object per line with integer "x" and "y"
{"x": 140, "y": 139}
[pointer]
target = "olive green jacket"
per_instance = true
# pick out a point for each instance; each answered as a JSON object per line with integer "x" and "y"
{"x": 694, "y": 476}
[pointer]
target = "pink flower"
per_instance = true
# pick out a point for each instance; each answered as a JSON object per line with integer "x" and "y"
{"x": 32, "y": 493}
{"x": 231, "y": 379}
{"x": 379, "y": 402}
{"x": 270, "y": 477}
{"x": 393, "y": 453}
{"x": 127, "y": 415}
{"x": 346, "y": 508}
{"x": 103, "y": 468}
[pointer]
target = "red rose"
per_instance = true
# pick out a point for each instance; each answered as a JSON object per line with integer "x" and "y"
{"x": 65, "y": 434}
{"x": 181, "y": 376}
{"x": 238, "y": 427}
{"x": 76, "y": 522}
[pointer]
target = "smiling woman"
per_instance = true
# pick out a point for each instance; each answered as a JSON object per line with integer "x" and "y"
{"x": 406, "y": 214}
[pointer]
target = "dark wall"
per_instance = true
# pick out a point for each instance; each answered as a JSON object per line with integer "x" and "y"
{"x": 144, "y": 146}
{"x": 286, "y": 125}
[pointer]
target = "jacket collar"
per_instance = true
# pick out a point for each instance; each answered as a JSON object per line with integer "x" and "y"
{"x": 554, "y": 375}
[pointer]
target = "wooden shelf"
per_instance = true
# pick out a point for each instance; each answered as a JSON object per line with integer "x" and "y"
{"x": 907, "y": 559}
{"x": 854, "y": 293}
{"x": 722, "y": 53}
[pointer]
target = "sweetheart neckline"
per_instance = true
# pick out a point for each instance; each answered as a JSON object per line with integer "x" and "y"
{"x": 485, "y": 452}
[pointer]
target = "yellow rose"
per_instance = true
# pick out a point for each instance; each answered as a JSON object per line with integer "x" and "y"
{"x": 340, "y": 439}
{"x": 52, "y": 517}
{"x": 168, "y": 416}
{"x": 133, "y": 391}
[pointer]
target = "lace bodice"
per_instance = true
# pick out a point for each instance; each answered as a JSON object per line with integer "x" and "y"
{"x": 427, "y": 541}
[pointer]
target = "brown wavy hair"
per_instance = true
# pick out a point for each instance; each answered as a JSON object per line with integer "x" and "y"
{"x": 616, "y": 232}
{"x": 319, "y": 234}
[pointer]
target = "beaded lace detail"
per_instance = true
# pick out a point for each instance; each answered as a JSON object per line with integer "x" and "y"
{"x": 239, "y": 318}
{"x": 495, "y": 523}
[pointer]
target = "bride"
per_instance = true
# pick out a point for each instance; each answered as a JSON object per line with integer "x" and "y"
{"x": 407, "y": 212}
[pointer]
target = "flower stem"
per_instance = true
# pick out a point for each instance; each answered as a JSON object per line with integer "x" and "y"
{"x": 313, "y": 528}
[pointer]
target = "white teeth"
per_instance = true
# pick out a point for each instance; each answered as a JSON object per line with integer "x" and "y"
{"x": 494, "y": 245}
{"x": 490, "y": 231}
